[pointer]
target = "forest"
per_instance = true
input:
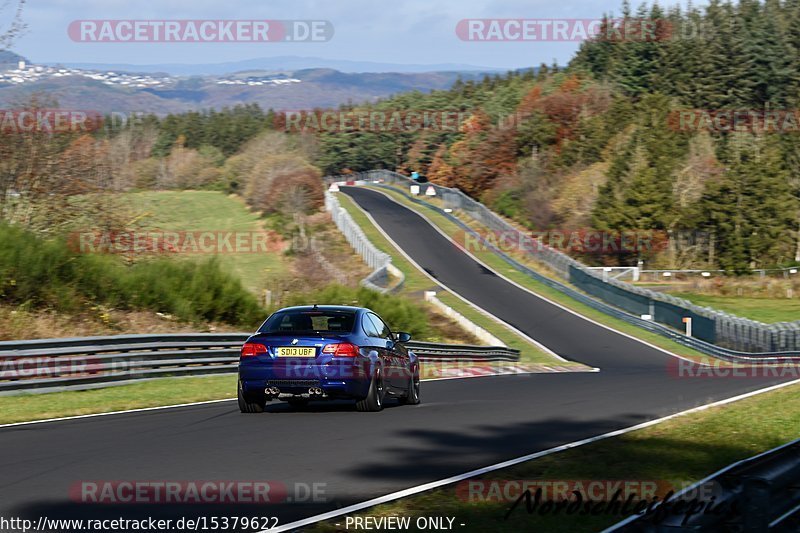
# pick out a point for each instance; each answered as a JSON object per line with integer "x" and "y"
{"x": 596, "y": 144}
{"x": 631, "y": 135}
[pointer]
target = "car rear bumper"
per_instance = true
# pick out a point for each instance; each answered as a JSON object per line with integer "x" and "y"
{"x": 337, "y": 379}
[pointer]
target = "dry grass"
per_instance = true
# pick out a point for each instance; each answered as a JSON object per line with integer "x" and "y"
{"x": 18, "y": 323}
{"x": 743, "y": 287}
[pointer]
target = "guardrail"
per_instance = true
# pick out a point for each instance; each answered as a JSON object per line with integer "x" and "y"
{"x": 761, "y": 493}
{"x": 49, "y": 365}
{"x": 465, "y": 323}
{"x": 734, "y": 338}
{"x": 378, "y": 280}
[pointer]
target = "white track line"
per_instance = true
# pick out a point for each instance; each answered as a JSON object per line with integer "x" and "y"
{"x": 207, "y": 402}
{"x": 552, "y": 302}
{"x": 505, "y": 464}
{"x": 93, "y": 415}
{"x": 445, "y": 287}
{"x": 531, "y": 373}
{"x": 708, "y": 479}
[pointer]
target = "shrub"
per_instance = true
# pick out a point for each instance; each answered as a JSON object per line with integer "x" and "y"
{"x": 47, "y": 273}
{"x": 400, "y": 313}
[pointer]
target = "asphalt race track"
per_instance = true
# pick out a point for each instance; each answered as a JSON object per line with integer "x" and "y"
{"x": 461, "y": 425}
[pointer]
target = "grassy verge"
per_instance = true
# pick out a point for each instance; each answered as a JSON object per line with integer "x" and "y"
{"x": 216, "y": 212}
{"x": 530, "y": 353}
{"x": 767, "y": 310}
{"x": 155, "y": 393}
{"x": 416, "y": 281}
{"x": 169, "y": 391}
{"x": 673, "y": 454}
{"x": 499, "y": 265}
{"x": 38, "y": 273}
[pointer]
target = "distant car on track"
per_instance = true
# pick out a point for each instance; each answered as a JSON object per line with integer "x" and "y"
{"x": 326, "y": 352}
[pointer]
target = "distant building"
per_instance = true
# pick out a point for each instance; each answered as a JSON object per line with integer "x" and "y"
{"x": 21, "y": 65}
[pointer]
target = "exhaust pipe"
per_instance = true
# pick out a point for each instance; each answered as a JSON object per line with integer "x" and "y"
{"x": 272, "y": 391}
{"x": 315, "y": 391}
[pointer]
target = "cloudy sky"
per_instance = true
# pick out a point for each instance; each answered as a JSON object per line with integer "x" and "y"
{"x": 394, "y": 31}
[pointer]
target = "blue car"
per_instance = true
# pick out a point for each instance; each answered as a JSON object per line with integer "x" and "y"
{"x": 326, "y": 352}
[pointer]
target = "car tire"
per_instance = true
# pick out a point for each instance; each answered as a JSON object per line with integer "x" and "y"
{"x": 412, "y": 396}
{"x": 247, "y": 405}
{"x": 374, "y": 400}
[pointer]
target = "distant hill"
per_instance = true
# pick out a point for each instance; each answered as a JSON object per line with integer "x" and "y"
{"x": 282, "y": 64}
{"x": 9, "y": 59}
{"x": 309, "y": 88}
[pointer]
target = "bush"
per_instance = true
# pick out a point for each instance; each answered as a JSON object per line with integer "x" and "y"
{"x": 286, "y": 183}
{"x": 47, "y": 273}
{"x": 30, "y": 270}
{"x": 400, "y": 313}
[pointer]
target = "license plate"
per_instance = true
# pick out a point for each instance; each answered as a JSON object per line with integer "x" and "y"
{"x": 294, "y": 351}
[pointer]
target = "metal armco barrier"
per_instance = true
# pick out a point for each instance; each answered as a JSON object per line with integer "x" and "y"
{"x": 758, "y": 494}
{"x": 733, "y": 338}
{"x": 378, "y": 280}
{"x": 89, "y": 362}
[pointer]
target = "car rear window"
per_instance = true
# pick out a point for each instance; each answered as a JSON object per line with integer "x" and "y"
{"x": 293, "y": 322}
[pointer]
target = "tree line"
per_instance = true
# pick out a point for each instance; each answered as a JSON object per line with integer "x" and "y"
{"x": 600, "y": 143}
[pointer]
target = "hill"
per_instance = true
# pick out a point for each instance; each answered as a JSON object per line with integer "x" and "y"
{"x": 628, "y": 138}
{"x": 162, "y": 93}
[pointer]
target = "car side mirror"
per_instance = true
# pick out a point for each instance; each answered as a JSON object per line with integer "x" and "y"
{"x": 402, "y": 337}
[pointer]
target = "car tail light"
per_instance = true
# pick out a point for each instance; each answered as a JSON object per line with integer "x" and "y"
{"x": 252, "y": 349}
{"x": 344, "y": 349}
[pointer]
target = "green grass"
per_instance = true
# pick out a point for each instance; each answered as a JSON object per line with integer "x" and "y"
{"x": 509, "y": 338}
{"x": 29, "y": 406}
{"x": 767, "y": 310}
{"x": 416, "y": 281}
{"x": 673, "y": 453}
{"x": 38, "y": 273}
{"x": 498, "y": 264}
{"x": 168, "y": 391}
{"x": 211, "y": 211}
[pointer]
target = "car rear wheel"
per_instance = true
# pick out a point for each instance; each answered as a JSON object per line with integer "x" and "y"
{"x": 374, "y": 400}
{"x": 249, "y": 404}
{"x": 412, "y": 396}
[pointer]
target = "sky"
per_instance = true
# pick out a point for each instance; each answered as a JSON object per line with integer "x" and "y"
{"x": 394, "y": 31}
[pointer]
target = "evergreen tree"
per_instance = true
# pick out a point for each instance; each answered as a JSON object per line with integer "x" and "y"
{"x": 750, "y": 208}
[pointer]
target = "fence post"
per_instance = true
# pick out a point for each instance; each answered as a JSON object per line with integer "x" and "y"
{"x": 688, "y": 321}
